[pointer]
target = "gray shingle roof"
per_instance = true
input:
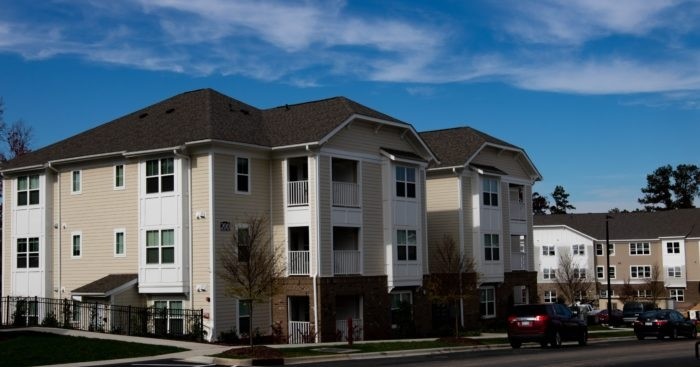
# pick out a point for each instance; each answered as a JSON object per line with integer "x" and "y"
{"x": 200, "y": 115}
{"x": 625, "y": 226}
{"x": 106, "y": 284}
{"x": 454, "y": 146}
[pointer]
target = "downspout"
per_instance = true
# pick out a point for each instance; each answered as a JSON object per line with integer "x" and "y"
{"x": 460, "y": 211}
{"x": 190, "y": 224}
{"x": 212, "y": 291}
{"x": 272, "y": 242}
{"x": 318, "y": 244}
{"x": 60, "y": 262}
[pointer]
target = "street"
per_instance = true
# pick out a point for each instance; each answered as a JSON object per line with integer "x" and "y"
{"x": 626, "y": 353}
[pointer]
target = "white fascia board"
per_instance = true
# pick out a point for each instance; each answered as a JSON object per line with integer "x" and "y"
{"x": 402, "y": 160}
{"x": 536, "y": 177}
{"x": 152, "y": 151}
{"x": 225, "y": 142}
{"x": 564, "y": 227}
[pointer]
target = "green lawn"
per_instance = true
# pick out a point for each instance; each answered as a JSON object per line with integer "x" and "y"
{"x": 28, "y": 348}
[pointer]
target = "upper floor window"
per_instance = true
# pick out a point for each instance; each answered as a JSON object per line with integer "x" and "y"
{"x": 76, "y": 182}
{"x": 243, "y": 242}
{"x": 640, "y": 271}
{"x": 27, "y": 190}
{"x": 579, "y": 273}
{"x": 490, "y": 191}
{"x": 549, "y": 273}
{"x": 119, "y": 249}
{"x": 641, "y": 248}
{"x": 600, "y": 272}
{"x": 673, "y": 247}
{"x": 76, "y": 245}
{"x": 406, "y": 245}
{"x": 119, "y": 176}
{"x": 599, "y": 249}
{"x": 242, "y": 174}
{"x": 579, "y": 249}
{"x": 405, "y": 182}
{"x": 674, "y": 271}
{"x": 27, "y": 253}
{"x": 160, "y": 246}
{"x": 548, "y": 250}
{"x": 160, "y": 175}
{"x": 491, "y": 247}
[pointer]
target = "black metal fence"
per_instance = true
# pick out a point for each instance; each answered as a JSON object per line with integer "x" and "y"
{"x": 176, "y": 323}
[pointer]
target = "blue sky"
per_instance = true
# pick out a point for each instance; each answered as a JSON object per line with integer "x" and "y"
{"x": 599, "y": 93}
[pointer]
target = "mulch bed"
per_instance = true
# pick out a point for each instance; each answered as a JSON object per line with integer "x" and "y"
{"x": 261, "y": 355}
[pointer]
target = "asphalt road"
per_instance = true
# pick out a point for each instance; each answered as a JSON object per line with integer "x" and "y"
{"x": 649, "y": 352}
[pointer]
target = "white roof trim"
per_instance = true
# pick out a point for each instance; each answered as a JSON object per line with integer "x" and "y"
{"x": 538, "y": 175}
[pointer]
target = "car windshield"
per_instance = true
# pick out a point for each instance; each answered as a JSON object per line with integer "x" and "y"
{"x": 530, "y": 310}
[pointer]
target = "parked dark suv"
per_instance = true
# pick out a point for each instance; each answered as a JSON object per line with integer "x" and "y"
{"x": 548, "y": 323}
{"x": 631, "y": 310}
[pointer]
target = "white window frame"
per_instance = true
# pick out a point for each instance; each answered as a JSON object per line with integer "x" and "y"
{"x": 159, "y": 246}
{"x": 549, "y": 273}
{"x": 673, "y": 247}
{"x": 637, "y": 269}
{"x": 27, "y": 252}
{"x": 116, "y": 177}
{"x": 600, "y": 272}
{"x": 116, "y": 233}
{"x": 612, "y": 272}
{"x": 674, "y": 272}
{"x": 485, "y": 300}
{"x": 239, "y": 174}
{"x": 645, "y": 249}
{"x": 242, "y": 316}
{"x": 170, "y": 315}
{"x": 488, "y": 184}
{"x": 548, "y": 250}
{"x": 550, "y": 296}
{"x": 407, "y": 245}
{"x": 489, "y": 244}
{"x": 28, "y": 190}
{"x": 580, "y": 273}
{"x": 643, "y": 293}
{"x": 159, "y": 175}
{"x": 401, "y": 295}
{"x": 76, "y": 187}
{"x": 79, "y": 235}
{"x": 604, "y": 293}
{"x": 578, "y": 249}
{"x": 405, "y": 182}
{"x": 677, "y": 294}
{"x": 239, "y": 243}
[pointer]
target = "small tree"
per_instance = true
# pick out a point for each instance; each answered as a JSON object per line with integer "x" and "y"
{"x": 561, "y": 201}
{"x": 250, "y": 266}
{"x": 571, "y": 278}
{"x": 540, "y": 204}
{"x": 449, "y": 286}
{"x": 627, "y": 292}
{"x": 655, "y": 283}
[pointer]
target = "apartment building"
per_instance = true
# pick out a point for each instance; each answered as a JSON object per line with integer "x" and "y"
{"x": 661, "y": 247}
{"x": 479, "y": 196}
{"x": 136, "y": 210}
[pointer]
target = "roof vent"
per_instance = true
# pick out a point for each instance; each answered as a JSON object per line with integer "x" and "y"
{"x": 245, "y": 112}
{"x": 169, "y": 110}
{"x": 143, "y": 115}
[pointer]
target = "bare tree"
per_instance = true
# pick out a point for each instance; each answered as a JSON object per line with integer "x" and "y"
{"x": 457, "y": 280}
{"x": 250, "y": 267}
{"x": 16, "y": 137}
{"x": 655, "y": 283}
{"x": 628, "y": 292}
{"x": 572, "y": 279}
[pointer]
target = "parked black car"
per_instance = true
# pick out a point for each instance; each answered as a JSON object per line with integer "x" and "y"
{"x": 547, "y": 323}
{"x": 632, "y": 310}
{"x": 660, "y": 323}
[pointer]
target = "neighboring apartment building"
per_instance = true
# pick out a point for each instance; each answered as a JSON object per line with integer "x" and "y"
{"x": 136, "y": 210}
{"x": 479, "y": 195}
{"x": 645, "y": 246}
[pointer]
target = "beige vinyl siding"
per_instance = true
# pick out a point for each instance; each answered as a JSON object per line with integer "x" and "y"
{"x": 236, "y": 208}
{"x": 692, "y": 256}
{"x": 623, "y": 260}
{"x": 373, "y": 247}
{"x": 279, "y": 229}
{"x": 261, "y": 318}
{"x": 363, "y": 137}
{"x": 96, "y": 212}
{"x": 324, "y": 205}
{"x": 8, "y": 197}
{"x": 129, "y": 297}
{"x": 201, "y": 228}
{"x": 506, "y": 161}
{"x": 443, "y": 214}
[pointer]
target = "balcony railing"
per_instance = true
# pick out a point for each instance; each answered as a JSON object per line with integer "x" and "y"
{"x": 345, "y": 194}
{"x": 346, "y": 262}
{"x": 297, "y": 193}
{"x": 341, "y": 327}
{"x": 518, "y": 261}
{"x": 518, "y": 210}
{"x": 298, "y": 263}
{"x": 300, "y": 332}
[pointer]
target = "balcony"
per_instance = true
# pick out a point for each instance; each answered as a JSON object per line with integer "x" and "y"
{"x": 346, "y": 194}
{"x": 342, "y": 328}
{"x": 300, "y": 332}
{"x": 298, "y": 263}
{"x": 518, "y": 210}
{"x": 518, "y": 261}
{"x": 346, "y": 262}
{"x": 298, "y": 193}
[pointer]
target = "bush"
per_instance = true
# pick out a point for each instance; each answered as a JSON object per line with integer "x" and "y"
{"x": 50, "y": 320}
{"x": 229, "y": 337}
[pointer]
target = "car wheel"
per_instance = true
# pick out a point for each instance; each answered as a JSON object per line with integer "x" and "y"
{"x": 556, "y": 339}
{"x": 694, "y": 333}
{"x": 515, "y": 344}
{"x": 674, "y": 333}
{"x": 583, "y": 339}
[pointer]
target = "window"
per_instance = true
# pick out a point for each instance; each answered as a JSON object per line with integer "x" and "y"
{"x": 401, "y": 302}
{"x": 160, "y": 175}
{"x": 76, "y": 182}
{"x": 641, "y": 248}
{"x": 27, "y": 253}
{"x": 77, "y": 245}
{"x": 242, "y": 175}
{"x": 604, "y": 293}
{"x": 491, "y": 247}
{"x": 673, "y": 248}
{"x": 580, "y": 273}
{"x": 640, "y": 271}
{"x": 677, "y": 294}
{"x": 119, "y": 249}
{"x": 548, "y": 273}
{"x": 487, "y": 302}
{"x": 168, "y": 317}
{"x": 397, "y": 298}
{"x": 406, "y": 245}
{"x": 405, "y": 182}
{"x": 674, "y": 271}
{"x": 548, "y": 250}
{"x": 119, "y": 176}
{"x": 579, "y": 249}
{"x": 612, "y": 272}
{"x": 643, "y": 293}
{"x": 160, "y": 246}
{"x": 243, "y": 317}
{"x": 599, "y": 249}
{"x": 550, "y": 296}
{"x": 490, "y": 191}
{"x": 600, "y": 272}
{"x": 27, "y": 190}
{"x": 243, "y": 242}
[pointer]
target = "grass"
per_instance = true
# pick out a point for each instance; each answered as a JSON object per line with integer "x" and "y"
{"x": 28, "y": 348}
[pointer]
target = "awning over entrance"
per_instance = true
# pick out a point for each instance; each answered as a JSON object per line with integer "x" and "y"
{"x": 107, "y": 286}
